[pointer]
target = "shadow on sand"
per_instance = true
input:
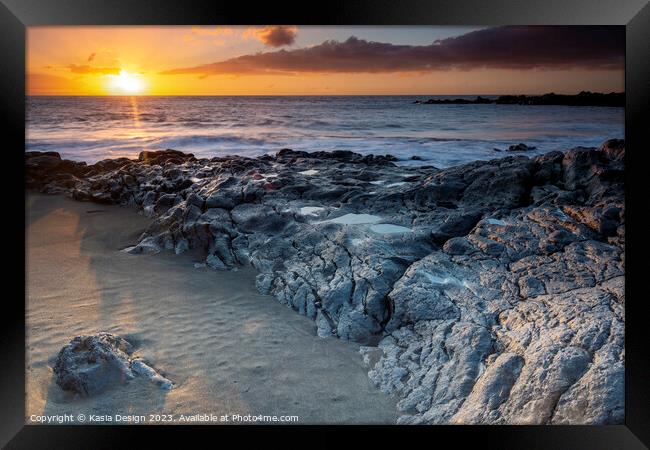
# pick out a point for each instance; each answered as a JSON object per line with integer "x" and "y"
{"x": 228, "y": 349}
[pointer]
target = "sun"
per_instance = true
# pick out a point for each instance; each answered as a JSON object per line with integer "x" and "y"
{"x": 125, "y": 83}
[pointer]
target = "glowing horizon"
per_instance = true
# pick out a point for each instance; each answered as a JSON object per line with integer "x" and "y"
{"x": 291, "y": 60}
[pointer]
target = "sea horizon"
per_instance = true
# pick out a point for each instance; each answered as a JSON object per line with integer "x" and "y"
{"x": 311, "y": 95}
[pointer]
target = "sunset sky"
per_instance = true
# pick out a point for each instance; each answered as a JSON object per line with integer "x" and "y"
{"x": 306, "y": 60}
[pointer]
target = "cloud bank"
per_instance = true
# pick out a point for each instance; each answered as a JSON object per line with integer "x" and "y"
{"x": 510, "y": 47}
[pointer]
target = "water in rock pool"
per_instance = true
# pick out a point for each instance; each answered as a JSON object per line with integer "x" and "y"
{"x": 94, "y": 128}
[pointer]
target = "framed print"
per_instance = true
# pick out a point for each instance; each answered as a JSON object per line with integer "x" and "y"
{"x": 414, "y": 216}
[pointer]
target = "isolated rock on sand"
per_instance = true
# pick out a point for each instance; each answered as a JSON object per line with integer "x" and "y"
{"x": 490, "y": 292}
{"x": 90, "y": 364}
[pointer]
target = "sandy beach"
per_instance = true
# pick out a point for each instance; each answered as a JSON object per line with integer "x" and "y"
{"x": 228, "y": 349}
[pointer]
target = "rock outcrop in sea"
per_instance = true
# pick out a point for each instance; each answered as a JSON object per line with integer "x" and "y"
{"x": 584, "y": 98}
{"x": 491, "y": 292}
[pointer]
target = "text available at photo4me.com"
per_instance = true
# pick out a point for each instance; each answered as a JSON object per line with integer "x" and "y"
{"x": 160, "y": 418}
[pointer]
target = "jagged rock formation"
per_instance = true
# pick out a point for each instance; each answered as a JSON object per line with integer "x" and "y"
{"x": 584, "y": 98}
{"x": 485, "y": 293}
{"x": 89, "y": 365}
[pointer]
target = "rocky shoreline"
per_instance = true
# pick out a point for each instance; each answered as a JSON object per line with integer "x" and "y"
{"x": 491, "y": 292}
{"x": 584, "y": 98}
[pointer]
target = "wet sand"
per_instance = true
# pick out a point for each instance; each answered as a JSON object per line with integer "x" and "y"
{"x": 229, "y": 349}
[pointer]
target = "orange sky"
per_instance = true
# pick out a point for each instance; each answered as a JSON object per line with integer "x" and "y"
{"x": 299, "y": 61}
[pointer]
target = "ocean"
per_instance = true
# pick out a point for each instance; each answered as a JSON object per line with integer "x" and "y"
{"x": 95, "y": 128}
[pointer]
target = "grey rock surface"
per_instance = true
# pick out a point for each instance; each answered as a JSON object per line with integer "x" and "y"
{"x": 89, "y": 365}
{"x": 490, "y": 292}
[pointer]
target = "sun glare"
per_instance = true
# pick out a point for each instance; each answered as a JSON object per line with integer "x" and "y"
{"x": 125, "y": 83}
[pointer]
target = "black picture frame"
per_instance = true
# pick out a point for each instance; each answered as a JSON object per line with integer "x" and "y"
{"x": 16, "y": 15}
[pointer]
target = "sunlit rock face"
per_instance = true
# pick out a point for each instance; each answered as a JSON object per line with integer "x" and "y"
{"x": 490, "y": 292}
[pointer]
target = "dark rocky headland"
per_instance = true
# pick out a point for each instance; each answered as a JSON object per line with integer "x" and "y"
{"x": 491, "y": 292}
{"x": 584, "y": 98}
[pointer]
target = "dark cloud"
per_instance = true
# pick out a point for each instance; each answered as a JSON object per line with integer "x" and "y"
{"x": 91, "y": 57}
{"x": 511, "y": 47}
{"x": 83, "y": 69}
{"x": 277, "y": 36}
